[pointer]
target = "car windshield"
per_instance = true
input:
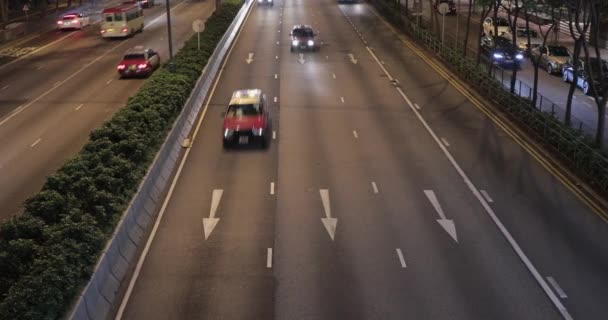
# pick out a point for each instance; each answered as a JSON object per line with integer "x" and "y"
{"x": 243, "y": 110}
{"x": 525, "y": 33}
{"x": 502, "y": 22}
{"x": 302, "y": 33}
{"x": 502, "y": 42}
{"x": 559, "y": 51}
{"x": 69, "y": 17}
{"x": 134, "y": 56}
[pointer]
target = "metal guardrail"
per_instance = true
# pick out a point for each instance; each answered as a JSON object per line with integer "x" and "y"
{"x": 566, "y": 141}
{"x": 100, "y": 294}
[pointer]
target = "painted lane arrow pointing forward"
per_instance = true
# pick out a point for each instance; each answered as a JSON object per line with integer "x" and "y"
{"x": 250, "y": 58}
{"x": 210, "y": 223}
{"x": 352, "y": 58}
{"x": 446, "y": 224}
{"x": 301, "y": 58}
{"x": 329, "y": 222}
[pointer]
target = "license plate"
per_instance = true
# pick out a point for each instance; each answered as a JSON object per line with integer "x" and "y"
{"x": 132, "y": 67}
{"x": 509, "y": 61}
{"x": 243, "y": 139}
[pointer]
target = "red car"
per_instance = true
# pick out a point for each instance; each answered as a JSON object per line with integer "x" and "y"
{"x": 246, "y": 120}
{"x": 138, "y": 62}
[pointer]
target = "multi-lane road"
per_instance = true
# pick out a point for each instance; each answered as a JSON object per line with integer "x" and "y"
{"x": 52, "y": 98}
{"x": 386, "y": 194}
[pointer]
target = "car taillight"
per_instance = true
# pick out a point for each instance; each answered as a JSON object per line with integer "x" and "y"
{"x": 59, "y": 22}
{"x": 103, "y": 30}
{"x": 142, "y": 66}
{"x": 125, "y": 29}
{"x": 121, "y": 67}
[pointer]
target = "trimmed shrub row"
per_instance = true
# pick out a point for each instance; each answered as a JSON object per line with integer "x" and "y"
{"x": 49, "y": 252}
{"x": 570, "y": 144}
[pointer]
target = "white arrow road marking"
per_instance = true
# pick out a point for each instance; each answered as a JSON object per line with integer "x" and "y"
{"x": 269, "y": 259}
{"x": 447, "y": 224}
{"x": 374, "y": 187}
{"x": 401, "y": 259}
{"x": 210, "y": 223}
{"x": 486, "y": 195}
{"x": 250, "y": 58}
{"x": 329, "y": 222}
{"x": 35, "y": 142}
{"x": 557, "y": 288}
{"x": 352, "y": 58}
{"x": 272, "y": 188}
{"x": 302, "y": 58}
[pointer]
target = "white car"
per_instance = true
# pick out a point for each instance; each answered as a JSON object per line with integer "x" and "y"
{"x": 501, "y": 23}
{"x": 522, "y": 34}
{"x": 73, "y": 21}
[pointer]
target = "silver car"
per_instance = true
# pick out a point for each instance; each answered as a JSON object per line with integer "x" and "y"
{"x": 553, "y": 59}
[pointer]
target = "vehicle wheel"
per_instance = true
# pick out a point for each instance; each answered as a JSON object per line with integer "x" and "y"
{"x": 550, "y": 69}
{"x": 586, "y": 89}
{"x": 565, "y": 77}
{"x": 264, "y": 142}
{"x": 225, "y": 144}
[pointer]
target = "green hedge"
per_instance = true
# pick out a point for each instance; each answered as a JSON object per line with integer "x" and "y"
{"x": 570, "y": 144}
{"x": 49, "y": 252}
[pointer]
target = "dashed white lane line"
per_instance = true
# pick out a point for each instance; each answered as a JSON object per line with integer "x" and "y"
{"x": 342, "y": 99}
{"x": 557, "y": 288}
{"x": 417, "y": 106}
{"x": 276, "y": 99}
{"x": 272, "y": 188}
{"x": 355, "y": 134}
{"x": 5, "y": 87}
{"x": 333, "y": 75}
{"x": 35, "y": 143}
{"x": 375, "y": 187}
{"x": 39, "y": 67}
{"x": 486, "y": 195}
{"x": 276, "y": 57}
{"x": 109, "y": 81}
{"x": 326, "y": 57}
{"x": 269, "y": 259}
{"x": 274, "y": 135}
{"x": 278, "y": 43}
{"x": 276, "y": 76}
{"x": 279, "y": 30}
{"x": 80, "y": 106}
{"x": 445, "y": 142}
{"x": 401, "y": 258}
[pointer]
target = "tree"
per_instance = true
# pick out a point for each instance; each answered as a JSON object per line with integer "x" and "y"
{"x": 486, "y": 6}
{"x": 4, "y": 11}
{"x": 467, "y": 30}
{"x": 513, "y": 8}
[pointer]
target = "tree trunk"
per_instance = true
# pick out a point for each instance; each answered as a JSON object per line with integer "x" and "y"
{"x": 576, "y": 55}
{"x": 4, "y": 11}
{"x": 467, "y": 30}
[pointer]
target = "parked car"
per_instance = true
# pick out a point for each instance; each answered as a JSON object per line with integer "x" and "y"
{"x": 247, "y": 119}
{"x": 268, "y": 2}
{"x": 450, "y": 3}
{"x": 522, "y": 34}
{"x": 501, "y": 51}
{"x": 554, "y": 57}
{"x": 588, "y": 75}
{"x": 502, "y": 24}
{"x": 138, "y": 62}
{"x": 73, "y": 20}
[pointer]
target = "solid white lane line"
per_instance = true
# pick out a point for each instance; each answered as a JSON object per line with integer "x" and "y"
{"x": 25, "y": 106}
{"x": 445, "y": 142}
{"x": 333, "y": 75}
{"x": 355, "y": 134}
{"x": 161, "y": 213}
{"x": 276, "y": 76}
{"x": 522, "y": 256}
{"x": 272, "y": 188}
{"x": 557, "y": 288}
{"x": 486, "y": 195}
{"x": 380, "y": 64}
{"x": 401, "y": 259}
{"x": 269, "y": 259}
{"x": 375, "y": 187}
{"x": 274, "y": 135}
{"x": 275, "y": 99}
{"x": 417, "y": 106}
{"x": 80, "y": 106}
{"x": 342, "y": 99}
{"x": 35, "y": 142}
{"x": 109, "y": 81}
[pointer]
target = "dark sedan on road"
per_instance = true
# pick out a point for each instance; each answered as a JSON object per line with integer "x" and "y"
{"x": 302, "y": 38}
{"x": 588, "y": 75}
{"x": 501, "y": 51}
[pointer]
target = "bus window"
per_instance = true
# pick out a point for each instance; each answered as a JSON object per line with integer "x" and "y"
{"x": 118, "y": 17}
{"x": 108, "y": 18}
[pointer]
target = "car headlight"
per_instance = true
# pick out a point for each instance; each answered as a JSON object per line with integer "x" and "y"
{"x": 519, "y": 56}
{"x": 498, "y": 56}
{"x": 260, "y": 1}
{"x": 228, "y": 133}
{"x": 311, "y": 43}
{"x": 295, "y": 42}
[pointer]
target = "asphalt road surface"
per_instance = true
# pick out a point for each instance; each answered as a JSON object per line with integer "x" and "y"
{"x": 51, "y": 99}
{"x": 378, "y": 199}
